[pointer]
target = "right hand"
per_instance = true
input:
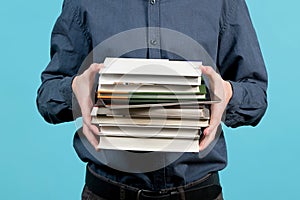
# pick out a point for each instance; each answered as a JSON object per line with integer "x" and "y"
{"x": 223, "y": 90}
{"x": 82, "y": 86}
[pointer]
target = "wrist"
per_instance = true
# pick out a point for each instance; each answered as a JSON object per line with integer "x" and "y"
{"x": 228, "y": 91}
{"x": 73, "y": 85}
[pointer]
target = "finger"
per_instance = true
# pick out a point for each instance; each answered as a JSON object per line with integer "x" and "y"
{"x": 205, "y": 141}
{"x": 215, "y": 80}
{"x": 90, "y": 136}
{"x": 94, "y": 129}
{"x": 91, "y": 131}
{"x": 90, "y": 74}
{"x": 95, "y": 68}
{"x": 208, "y": 71}
{"x": 207, "y": 131}
{"x": 208, "y": 138}
{"x": 87, "y": 118}
{"x": 211, "y": 128}
{"x": 86, "y": 108}
{"x": 215, "y": 118}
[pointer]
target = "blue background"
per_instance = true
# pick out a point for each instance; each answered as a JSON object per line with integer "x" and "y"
{"x": 38, "y": 160}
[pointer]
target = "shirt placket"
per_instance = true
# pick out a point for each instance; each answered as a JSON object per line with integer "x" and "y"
{"x": 154, "y": 29}
{"x": 154, "y": 46}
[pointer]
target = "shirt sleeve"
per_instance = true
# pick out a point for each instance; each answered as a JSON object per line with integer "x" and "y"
{"x": 240, "y": 61}
{"x": 70, "y": 45}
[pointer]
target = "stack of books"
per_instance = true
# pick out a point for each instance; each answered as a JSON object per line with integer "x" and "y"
{"x": 150, "y": 105}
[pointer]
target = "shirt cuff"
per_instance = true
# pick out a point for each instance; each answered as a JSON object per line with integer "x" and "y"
{"x": 237, "y": 95}
{"x": 66, "y": 90}
{"x": 233, "y": 106}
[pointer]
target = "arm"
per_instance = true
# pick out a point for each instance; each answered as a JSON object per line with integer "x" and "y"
{"x": 240, "y": 62}
{"x": 69, "y": 47}
{"x": 82, "y": 87}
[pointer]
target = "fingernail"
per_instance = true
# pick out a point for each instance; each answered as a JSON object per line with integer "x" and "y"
{"x": 200, "y": 147}
{"x": 206, "y": 132}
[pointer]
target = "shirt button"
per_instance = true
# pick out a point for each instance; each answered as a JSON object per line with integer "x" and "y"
{"x": 153, "y": 42}
{"x": 152, "y": 2}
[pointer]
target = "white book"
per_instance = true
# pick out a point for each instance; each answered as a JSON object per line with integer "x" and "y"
{"x": 121, "y": 105}
{"x": 150, "y": 122}
{"x": 160, "y": 67}
{"x": 151, "y": 97}
{"x": 149, "y": 79}
{"x": 155, "y": 112}
{"x": 148, "y": 88}
{"x": 148, "y": 132}
{"x": 149, "y": 144}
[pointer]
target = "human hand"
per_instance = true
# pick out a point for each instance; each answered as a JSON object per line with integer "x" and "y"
{"x": 82, "y": 86}
{"x": 223, "y": 90}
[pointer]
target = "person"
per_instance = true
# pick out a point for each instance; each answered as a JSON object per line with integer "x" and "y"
{"x": 223, "y": 28}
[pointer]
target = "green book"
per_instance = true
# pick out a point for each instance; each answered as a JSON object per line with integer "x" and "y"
{"x": 155, "y": 95}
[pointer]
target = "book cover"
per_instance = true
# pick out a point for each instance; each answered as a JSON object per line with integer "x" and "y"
{"x": 156, "y": 112}
{"x": 160, "y": 67}
{"x": 149, "y": 144}
{"x": 151, "y": 122}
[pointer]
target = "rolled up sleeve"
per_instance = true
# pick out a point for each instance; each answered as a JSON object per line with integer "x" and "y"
{"x": 241, "y": 63}
{"x": 69, "y": 47}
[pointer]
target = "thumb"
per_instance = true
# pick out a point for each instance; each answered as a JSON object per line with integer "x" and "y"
{"x": 95, "y": 68}
{"x": 208, "y": 71}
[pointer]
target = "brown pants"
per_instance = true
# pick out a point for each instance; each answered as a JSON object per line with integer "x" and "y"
{"x": 89, "y": 195}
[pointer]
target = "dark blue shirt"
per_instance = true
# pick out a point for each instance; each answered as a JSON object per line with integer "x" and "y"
{"x": 173, "y": 29}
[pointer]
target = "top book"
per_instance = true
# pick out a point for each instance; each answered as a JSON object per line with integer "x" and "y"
{"x": 157, "y": 67}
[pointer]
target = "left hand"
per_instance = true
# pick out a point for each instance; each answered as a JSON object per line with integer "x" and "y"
{"x": 223, "y": 90}
{"x": 82, "y": 86}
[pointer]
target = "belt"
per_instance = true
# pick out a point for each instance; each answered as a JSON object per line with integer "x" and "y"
{"x": 207, "y": 188}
